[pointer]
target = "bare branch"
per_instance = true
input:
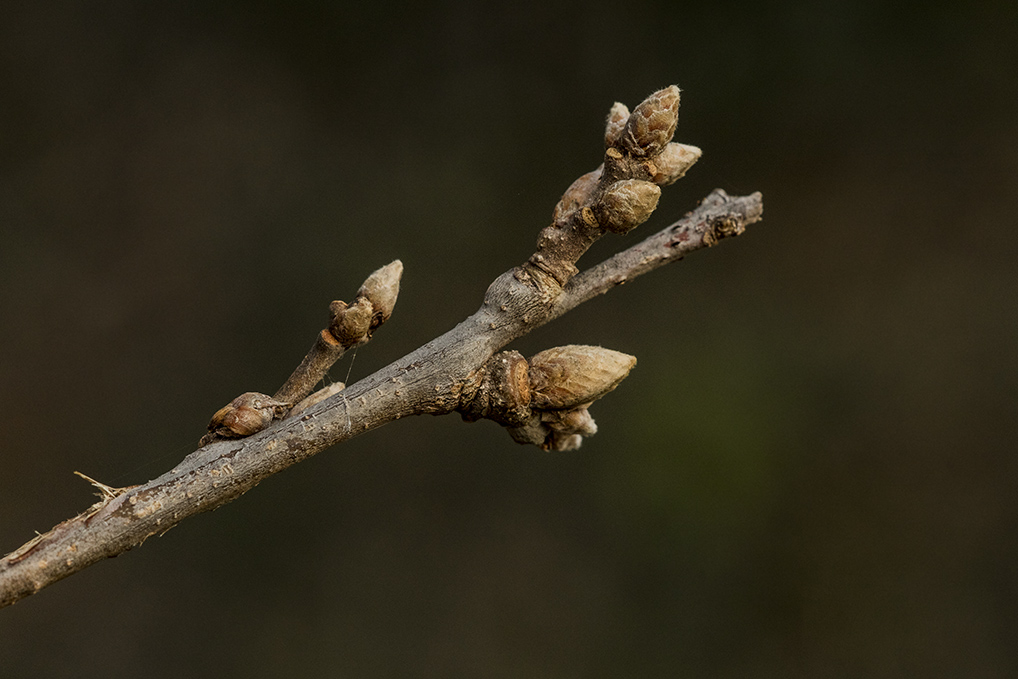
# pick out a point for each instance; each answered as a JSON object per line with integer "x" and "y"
{"x": 457, "y": 372}
{"x": 718, "y": 216}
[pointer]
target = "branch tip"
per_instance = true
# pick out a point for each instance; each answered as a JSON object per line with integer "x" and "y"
{"x": 652, "y": 124}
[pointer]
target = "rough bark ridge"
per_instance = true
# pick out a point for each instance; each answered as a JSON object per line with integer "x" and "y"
{"x": 543, "y": 400}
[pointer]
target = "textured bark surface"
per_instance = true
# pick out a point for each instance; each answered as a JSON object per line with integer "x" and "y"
{"x": 438, "y": 378}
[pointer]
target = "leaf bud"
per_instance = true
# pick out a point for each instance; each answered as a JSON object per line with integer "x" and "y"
{"x": 245, "y": 415}
{"x": 626, "y": 204}
{"x": 673, "y": 162}
{"x": 381, "y": 289}
{"x": 652, "y": 124}
{"x": 615, "y": 124}
{"x": 575, "y": 421}
{"x": 562, "y": 378}
{"x": 563, "y": 442}
{"x": 576, "y": 196}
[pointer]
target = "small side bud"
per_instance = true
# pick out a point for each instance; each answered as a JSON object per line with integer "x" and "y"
{"x": 576, "y": 196}
{"x": 381, "y": 289}
{"x": 673, "y": 163}
{"x": 351, "y": 324}
{"x": 568, "y": 422}
{"x": 247, "y": 414}
{"x": 555, "y": 429}
{"x": 563, "y": 378}
{"x": 615, "y": 124}
{"x": 531, "y": 432}
{"x": 652, "y": 124}
{"x": 563, "y": 442}
{"x": 627, "y": 204}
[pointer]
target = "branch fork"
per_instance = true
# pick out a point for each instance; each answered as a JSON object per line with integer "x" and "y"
{"x": 543, "y": 400}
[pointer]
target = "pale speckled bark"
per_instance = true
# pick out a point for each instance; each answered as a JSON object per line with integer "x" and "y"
{"x": 429, "y": 380}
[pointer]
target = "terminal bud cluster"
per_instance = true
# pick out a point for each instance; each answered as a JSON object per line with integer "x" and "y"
{"x": 640, "y": 157}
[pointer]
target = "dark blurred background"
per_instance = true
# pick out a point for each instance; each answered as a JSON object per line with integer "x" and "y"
{"x": 811, "y": 472}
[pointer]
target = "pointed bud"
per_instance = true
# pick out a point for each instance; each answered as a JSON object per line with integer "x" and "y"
{"x": 382, "y": 288}
{"x": 652, "y": 124}
{"x": 576, "y": 196}
{"x": 247, "y": 414}
{"x": 615, "y": 124}
{"x": 673, "y": 162}
{"x": 565, "y": 377}
{"x": 626, "y": 204}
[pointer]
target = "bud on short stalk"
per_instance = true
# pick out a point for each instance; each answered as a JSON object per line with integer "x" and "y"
{"x": 381, "y": 289}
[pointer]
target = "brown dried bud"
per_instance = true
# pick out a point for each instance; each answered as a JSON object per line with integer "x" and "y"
{"x": 673, "y": 162}
{"x": 562, "y": 442}
{"x": 351, "y": 325}
{"x": 652, "y": 124}
{"x": 247, "y": 414}
{"x": 531, "y": 432}
{"x": 626, "y": 204}
{"x": 381, "y": 289}
{"x": 615, "y": 124}
{"x": 555, "y": 429}
{"x": 565, "y": 377}
{"x": 567, "y": 422}
{"x": 576, "y": 196}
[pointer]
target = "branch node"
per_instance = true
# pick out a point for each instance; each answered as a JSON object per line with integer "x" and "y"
{"x": 544, "y": 401}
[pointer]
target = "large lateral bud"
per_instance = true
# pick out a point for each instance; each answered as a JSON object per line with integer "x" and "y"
{"x": 565, "y": 377}
{"x": 626, "y": 204}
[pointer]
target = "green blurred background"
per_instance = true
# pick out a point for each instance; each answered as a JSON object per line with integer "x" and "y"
{"x": 811, "y": 471}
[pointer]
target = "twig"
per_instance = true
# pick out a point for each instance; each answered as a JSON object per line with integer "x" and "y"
{"x": 445, "y": 375}
{"x": 350, "y": 325}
